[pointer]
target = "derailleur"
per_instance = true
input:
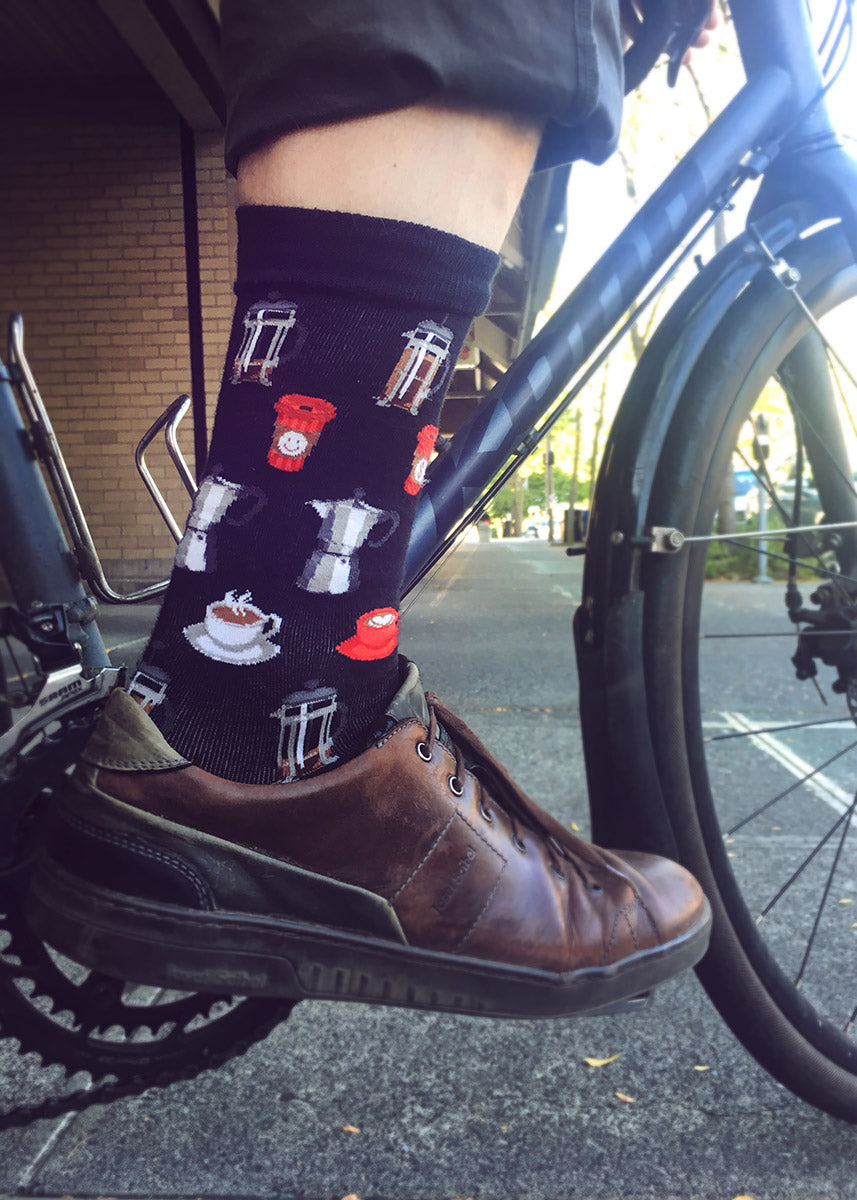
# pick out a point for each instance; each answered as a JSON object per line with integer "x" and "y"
{"x": 59, "y": 702}
{"x": 829, "y": 634}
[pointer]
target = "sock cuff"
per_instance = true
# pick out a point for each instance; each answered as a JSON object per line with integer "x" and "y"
{"x": 373, "y": 257}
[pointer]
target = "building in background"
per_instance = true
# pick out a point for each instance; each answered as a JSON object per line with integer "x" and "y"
{"x": 117, "y": 243}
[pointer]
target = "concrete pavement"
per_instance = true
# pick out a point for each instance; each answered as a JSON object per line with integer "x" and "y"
{"x": 345, "y": 1100}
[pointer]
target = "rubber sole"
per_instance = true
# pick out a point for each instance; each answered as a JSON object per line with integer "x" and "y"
{"x": 249, "y": 955}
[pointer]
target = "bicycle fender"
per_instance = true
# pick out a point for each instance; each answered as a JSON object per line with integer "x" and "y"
{"x": 617, "y": 522}
{"x": 626, "y": 802}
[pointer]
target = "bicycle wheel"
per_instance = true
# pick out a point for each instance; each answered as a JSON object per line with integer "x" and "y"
{"x": 752, "y": 687}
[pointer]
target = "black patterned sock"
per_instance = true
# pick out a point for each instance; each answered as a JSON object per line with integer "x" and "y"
{"x": 275, "y": 648}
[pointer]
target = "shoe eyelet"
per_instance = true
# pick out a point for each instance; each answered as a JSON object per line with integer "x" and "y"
{"x": 560, "y": 849}
{"x": 424, "y": 752}
{"x": 455, "y": 785}
{"x": 595, "y": 888}
{"x": 559, "y": 874}
{"x": 519, "y": 845}
{"x": 485, "y": 813}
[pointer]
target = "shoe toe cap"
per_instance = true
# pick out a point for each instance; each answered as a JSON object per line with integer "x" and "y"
{"x": 670, "y": 894}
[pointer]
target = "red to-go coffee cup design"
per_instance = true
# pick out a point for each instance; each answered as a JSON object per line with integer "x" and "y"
{"x": 377, "y": 635}
{"x": 299, "y": 422}
{"x": 426, "y": 439}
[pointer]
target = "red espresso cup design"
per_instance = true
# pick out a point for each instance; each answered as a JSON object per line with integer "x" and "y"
{"x": 377, "y": 635}
{"x": 299, "y": 423}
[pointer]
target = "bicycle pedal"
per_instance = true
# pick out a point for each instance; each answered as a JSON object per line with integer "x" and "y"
{"x": 633, "y": 1004}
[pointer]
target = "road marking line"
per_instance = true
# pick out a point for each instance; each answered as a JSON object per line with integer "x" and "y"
{"x": 565, "y": 593}
{"x": 822, "y": 787}
{"x": 137, "y": 641}
{"x": 459, "y": 564}
{"x": 822, "y": 726}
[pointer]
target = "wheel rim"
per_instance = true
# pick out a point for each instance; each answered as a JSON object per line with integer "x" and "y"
{"x": 774, "y": 769}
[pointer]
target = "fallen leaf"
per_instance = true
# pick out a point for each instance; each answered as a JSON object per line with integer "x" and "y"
{"x": 351, "y": 1196}
{"x": 702, "y": 1068}
{"x": 350, "y": 1129}
{"x": 504, "y": 1127}
{"x": 742, "y": 1198}
{"x": 601, "y": 1062}
{"x": 846, "y": 900}
{"x": 575, "y": 826}
{"x": 625, "y": 1099}
{"x": 730, "y": 841}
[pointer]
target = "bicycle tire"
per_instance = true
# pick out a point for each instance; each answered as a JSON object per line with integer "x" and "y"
{"x": 794, "y": 1028}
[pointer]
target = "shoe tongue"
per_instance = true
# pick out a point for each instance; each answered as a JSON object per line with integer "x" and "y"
{"x": 410, "y": 700}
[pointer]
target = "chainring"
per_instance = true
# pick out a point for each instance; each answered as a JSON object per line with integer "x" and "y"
{"x": 127, "y": 1038}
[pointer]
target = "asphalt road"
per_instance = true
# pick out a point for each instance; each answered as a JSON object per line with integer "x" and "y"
{"x": 440, "y": 1107}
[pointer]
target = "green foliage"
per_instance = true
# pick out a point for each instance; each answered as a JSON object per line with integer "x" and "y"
{"x": 742, "y": 560}
{"x": 534, "y": 492}
{"x": 734, "y": 560}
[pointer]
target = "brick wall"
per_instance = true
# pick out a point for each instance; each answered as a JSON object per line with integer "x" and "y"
{"x": 92, "y": 252}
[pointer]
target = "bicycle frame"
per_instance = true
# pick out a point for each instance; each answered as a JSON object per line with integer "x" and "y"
{"x": 774, "y": 122}
{"x": 783, "y": 79}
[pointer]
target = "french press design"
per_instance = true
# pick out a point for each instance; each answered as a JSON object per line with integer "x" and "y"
{"x": 266, "y": 326}
{"x": 305, "y": 741}
{"x": 422, "y": 367}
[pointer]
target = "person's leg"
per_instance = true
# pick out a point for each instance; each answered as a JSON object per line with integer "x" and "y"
{"x": 351, "y": 312}
{"x": 457, "y": 169}
{"x": 412, "y": 870}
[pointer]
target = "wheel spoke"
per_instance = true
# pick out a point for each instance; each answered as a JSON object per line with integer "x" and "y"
{"x": 826, "y": 892}
{"x": 779, "y": 633}
{"x": 822, "y": 572}
{"x": 745, "y": 733}
{"x": 846, "y": 817}
{"x": 806, "y": 778}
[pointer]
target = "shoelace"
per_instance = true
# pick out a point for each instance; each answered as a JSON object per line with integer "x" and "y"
{"x": 520, "y": 811}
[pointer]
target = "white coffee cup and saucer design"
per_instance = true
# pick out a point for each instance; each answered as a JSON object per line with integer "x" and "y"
{"x": 235, "y": 631}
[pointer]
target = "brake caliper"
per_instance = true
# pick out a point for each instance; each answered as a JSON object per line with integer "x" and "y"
{"x": 829, "y": 634}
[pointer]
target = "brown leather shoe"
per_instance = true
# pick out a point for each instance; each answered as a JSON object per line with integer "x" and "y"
{"x": 416, "y": 874}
